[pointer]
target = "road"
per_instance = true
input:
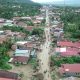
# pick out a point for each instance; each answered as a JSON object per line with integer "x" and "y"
{"x": 44, "y": 56}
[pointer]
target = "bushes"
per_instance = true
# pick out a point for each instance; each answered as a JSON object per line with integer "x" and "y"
{"x": 38, "y": 31}
{"x": 3, "y": 55}
{"x": 70, "y": 60}
{"x": 16, "y": 29}
{"x": 33, "y": 62}
{"x": 6, "y": 66}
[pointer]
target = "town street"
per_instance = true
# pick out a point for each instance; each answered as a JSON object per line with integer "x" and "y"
{"x": 44, "y": 56}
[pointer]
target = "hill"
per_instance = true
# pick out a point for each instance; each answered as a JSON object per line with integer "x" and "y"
{"x": 22, "y": 8}
{"x": 16, "y": 1}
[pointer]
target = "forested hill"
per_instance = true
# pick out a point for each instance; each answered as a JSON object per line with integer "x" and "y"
{"x": 11, "y": 8}
{"x": 16, "y": 1}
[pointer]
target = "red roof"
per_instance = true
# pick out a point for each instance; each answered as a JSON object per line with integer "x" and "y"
{"x": 21, "y": 59}
{"x": 8, "y": 75}
{"x": 65, "y": 43}
{"x": 68, "y": 44}
{"x": 75, "y": 68}
{"x": 6, "y": 79}
{"x": 70, "y": 52}
{"x": 77, "y": 44}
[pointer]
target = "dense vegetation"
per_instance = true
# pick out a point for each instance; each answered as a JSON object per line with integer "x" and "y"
{"x": 11, "y": 8}
{"x": 16, "y": 29}
{"x": 4, "y": 48}
{"x": 36, "y": 31}
{"x": 71, "y": 21}
{"x": 70, "y": 60}
{"x": 34, "y": 63}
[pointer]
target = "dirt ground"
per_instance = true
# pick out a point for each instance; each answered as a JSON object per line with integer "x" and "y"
{"x": 25, "y": 69}
{"x": 44, "y": 57}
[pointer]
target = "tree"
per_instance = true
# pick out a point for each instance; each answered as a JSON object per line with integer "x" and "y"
{"x": 38, "y": 31}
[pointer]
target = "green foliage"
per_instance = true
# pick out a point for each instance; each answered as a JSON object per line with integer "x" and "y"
{"x": 3, "y": 55}
{"x": 29, "y": 23}
{"x": 6, "y": 67}
{"x": 33, "y": 62}
{"x": 38, "y": 31}
{"x": 70, "y": 60}
{"x": 71, "y": 23}
{"x": 16, "y": 29}
{"x": 22, "y": 8}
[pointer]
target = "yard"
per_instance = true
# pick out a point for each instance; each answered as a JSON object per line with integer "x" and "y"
{"x": 26, "y": 70}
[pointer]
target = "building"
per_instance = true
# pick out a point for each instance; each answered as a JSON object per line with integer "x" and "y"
{"x": 68, "y": 44}
{"x": 33, "y": 54}
{"x": 20, "y": 56}
{"x": 66, "y": 52}
{"x": 70, "y": 70}
{"x": 20, "y": 59}
{"x": 6, "y": 75}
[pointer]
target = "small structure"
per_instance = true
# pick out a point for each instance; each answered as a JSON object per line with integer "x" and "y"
{"x": 33, "y": 53}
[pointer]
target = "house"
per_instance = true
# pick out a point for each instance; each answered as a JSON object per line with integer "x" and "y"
{"x": 39, "y": 18}
{"x": 21, "y": 23}
{"x": 22, "y": 45}
{"x": 20, "y": 59}
{"x": 36, "y": 21}
{"x": 68, "y": 44}
{"x": 25, "y": 53}
{"x": 5, "y": 79}
{"x": 6, "y": 75}
{"x": 70, "y": 70}
{"x": 15, "y": 35}
{"x": 1, "y": 32}
{"x": 2, "y": 20}
{"x": 16, "y": 18}
{"x": 65, "y": 44}
{"x": 21, "y": 42}
{"x": 20, "y": 56}
{"x": 8, "y": 23}
{"x": 26, "y": 18}
{"x": 66, "y": 52}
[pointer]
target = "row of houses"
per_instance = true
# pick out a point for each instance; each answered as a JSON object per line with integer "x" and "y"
{"x": 19, "y": 21}
{"x": 66, "y": 48}
{"x": 5, "y": 35}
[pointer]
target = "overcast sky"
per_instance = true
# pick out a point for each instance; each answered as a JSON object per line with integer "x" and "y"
{"x": 75, "y": 2}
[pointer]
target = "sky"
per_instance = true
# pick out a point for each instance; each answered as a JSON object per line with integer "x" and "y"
{"x": 73, "y": 2}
